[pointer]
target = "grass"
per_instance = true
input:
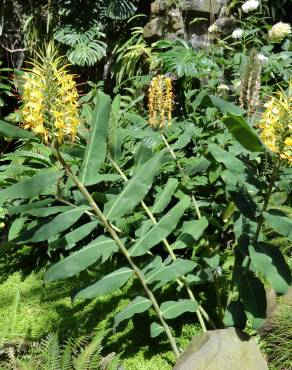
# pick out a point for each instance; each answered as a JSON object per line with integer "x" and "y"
{"x": 276, "y": 344}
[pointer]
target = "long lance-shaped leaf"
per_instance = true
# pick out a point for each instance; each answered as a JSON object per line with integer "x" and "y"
{"x": 230, "y": 162}
{"x": 14, "y": 132}
{"x": 135, "y": 189}
{"x": 48, "y": 211}
{"x": 279, "y": 222}
{"x": 95, "y": 152}
{"x": 253, "y": 296}
{"x": 100, "y": 248}
{"x": 243, "y": 133}
{"x": 56, "y": 225}
{"x": 138, "y": 305}
{"x": 170, "y": 272}
{"x": 161, "y": 230}
{"x": 173, "y": 309}
{"x": 226, "y": 107}
{"x": 234, "y": 315}
{"x": 155, "y": 330}
{"x": 163, "y": 198}
{"x": 269, "y": 261}
{"x": 107, "y": 284}
{"x": 30, "y": 187}
{"x": 191, "y": 231}
{"x": 69, "y": 240}
{"x": 28, "y": 206}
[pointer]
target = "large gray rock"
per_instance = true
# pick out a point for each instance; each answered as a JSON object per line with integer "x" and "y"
{"x": 224, "y": 349}
{"x": 201, "y": 6}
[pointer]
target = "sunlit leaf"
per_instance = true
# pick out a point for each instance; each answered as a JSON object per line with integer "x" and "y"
{"x": 100, "y": 248}
{"x": 138, "y": 305}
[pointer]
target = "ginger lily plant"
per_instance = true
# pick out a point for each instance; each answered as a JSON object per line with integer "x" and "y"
{"x": 161, "y": 241}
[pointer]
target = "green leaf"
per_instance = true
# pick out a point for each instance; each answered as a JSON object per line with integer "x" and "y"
{"x": 230, "y": 162}
{"x": 163, "y": 198}
{"x": 95, "y": 152}
{"x": 184, "y": 138}
{"x": 100, "y": 248}
{"x": 235, "y": 315}
{"x": 69, "y": 240}
{"x": 48, "y": 211}
{"x": 138, "y": 305}
{"x": 107, "y": 284}
{"x": 161, "y": 230}
{"x": 155, "y": 330}
{"x": 197, "y": 165}
{"x": 136, "y": 119}
{"x": 253, "y": 296}
{"x": 173, "y": 309}
{"x": 28, "y": 206}
{"x": 191, "y": 231}
{"x": 269, "y": 261}
{"x": 226, "y": 107}
{"x": 14, "y": 132}
{"x": 30, "y": 187}
{"x": 98, "y": 178}
{"x": 243, "y": 133}
{"x": 135, "y": 189}
{"x": 56, "y": 225}
{"x": 170, "y": 272}
{"x": 116, "y": 139}
{"x": 120, "y": 9}
{"x": 16, "y": 227}
{"x": 280, "y": 222}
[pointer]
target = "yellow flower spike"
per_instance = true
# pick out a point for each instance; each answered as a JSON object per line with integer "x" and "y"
{"x": 275, "y": 125}
{"x": 50, "y": 106}
{"x": 160, "y": 101}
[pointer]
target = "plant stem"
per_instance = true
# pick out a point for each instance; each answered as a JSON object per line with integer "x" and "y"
{"x": 184, "y": 176}
{"x": 120, "y": 244}
{"x": 171, "y": 253}
{"x": 216, "y": 283}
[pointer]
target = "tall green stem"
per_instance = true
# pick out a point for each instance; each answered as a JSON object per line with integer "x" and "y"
{"x": 121, "y": 245}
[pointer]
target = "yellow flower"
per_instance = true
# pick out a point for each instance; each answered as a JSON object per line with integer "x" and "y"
{"x": 160, "y": 101}
{"x": 275, "y": 125}
{"x": 50, "y": 105}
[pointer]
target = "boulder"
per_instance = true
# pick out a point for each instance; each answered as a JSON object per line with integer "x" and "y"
{"x": 156, "y": 8}
{"x": 154, "y": 28}
{"x": 223, "y": 349}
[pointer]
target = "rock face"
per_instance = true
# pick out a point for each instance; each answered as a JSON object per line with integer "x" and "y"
{"x": 176, "y": 22}
{"x": 224, "y": 349}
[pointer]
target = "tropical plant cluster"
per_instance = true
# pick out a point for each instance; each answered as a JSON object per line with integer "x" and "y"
{"x": 153, "y": 165}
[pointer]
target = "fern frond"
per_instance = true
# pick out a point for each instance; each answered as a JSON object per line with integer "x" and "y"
{"x": 66, "y": 357}
{"x": 50, "y": 357}
{"x": 90, "y": 356}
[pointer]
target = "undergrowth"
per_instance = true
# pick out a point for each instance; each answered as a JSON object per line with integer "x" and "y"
{"x": 30, "y": 310}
